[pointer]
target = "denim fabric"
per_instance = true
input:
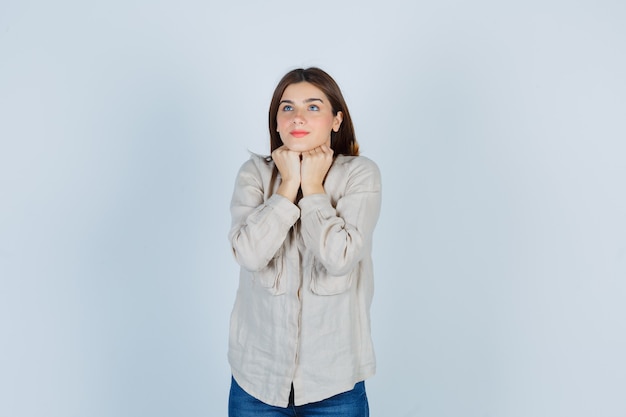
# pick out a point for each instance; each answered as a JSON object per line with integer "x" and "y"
{"x": 348, "y": 404}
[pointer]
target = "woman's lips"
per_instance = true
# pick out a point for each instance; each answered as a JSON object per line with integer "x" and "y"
{"x": 298, "y": 133}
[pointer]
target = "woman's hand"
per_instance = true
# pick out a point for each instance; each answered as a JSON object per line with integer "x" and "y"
{"x": 315, "y": 166}
{"x": 288, "y": 164}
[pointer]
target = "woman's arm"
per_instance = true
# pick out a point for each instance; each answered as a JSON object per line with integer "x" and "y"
{"x": 258, "y": 227}
{"x": 340, "y": 236}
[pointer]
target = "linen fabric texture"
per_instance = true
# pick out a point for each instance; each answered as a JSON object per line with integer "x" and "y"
{"x": 302, "y": 309}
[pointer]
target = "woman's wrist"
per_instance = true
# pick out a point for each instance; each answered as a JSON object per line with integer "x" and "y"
{"x": 288, "y": 189}
{"x": 309, "y": 189}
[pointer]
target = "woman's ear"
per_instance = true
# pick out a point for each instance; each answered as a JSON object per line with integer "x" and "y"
{"x": 337, "y": 121}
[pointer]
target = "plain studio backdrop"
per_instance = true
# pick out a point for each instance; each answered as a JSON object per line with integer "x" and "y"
{"x": 500, "y": 254}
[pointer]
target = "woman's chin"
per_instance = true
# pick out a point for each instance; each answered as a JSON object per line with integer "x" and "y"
{"x": 300, "y": 148}
{"x": 303, "y": 147}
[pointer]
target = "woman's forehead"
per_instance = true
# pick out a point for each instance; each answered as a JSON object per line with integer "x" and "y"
{"x": 303, "y": 91}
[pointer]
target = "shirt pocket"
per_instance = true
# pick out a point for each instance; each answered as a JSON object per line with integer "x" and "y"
{"x": 272, "y": 277}
{"x": 323, "y": 283}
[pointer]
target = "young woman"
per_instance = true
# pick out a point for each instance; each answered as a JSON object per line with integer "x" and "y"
{"x": 302, "y": 225}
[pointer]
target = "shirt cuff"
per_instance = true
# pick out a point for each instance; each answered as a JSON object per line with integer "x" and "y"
{"x": 314, "y": 202}
{"x": 287, "y": 211}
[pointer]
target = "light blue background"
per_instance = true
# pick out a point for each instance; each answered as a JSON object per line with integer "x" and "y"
{"x": 500, "y": 253}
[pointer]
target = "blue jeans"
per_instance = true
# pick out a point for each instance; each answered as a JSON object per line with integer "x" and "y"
{"x": 348, "y": 404}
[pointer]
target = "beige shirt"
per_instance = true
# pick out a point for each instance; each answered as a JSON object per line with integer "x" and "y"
{"x": 302, "y": 311}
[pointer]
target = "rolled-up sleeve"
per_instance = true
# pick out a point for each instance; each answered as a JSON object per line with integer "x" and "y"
{"x": 340, "y": 236}
{"x": 259, "y": 227}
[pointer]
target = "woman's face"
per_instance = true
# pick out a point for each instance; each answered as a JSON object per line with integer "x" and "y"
{"x": 305, "y": 117}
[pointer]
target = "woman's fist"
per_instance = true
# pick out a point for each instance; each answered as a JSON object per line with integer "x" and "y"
{"x": 315, "y": 166}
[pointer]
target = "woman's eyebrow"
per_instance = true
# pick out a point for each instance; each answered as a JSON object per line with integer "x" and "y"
{"x": 308, "y": 100}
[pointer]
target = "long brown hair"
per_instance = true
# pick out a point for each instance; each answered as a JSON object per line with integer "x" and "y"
{"x": 343, "y": 142}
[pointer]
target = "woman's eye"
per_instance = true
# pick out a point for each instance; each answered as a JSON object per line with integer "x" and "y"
{"x": 313, "y": 107}
{"x": 287, "y": 107}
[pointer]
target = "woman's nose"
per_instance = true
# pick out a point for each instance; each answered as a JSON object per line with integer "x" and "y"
{"x": 298, "y": 119}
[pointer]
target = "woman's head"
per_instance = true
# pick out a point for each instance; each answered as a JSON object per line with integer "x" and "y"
{"x": 297, "y": 106}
